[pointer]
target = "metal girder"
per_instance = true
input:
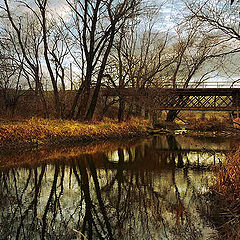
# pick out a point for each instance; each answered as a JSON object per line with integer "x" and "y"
{"x": 204, "y": 99}
{"x": 198, "y": 102}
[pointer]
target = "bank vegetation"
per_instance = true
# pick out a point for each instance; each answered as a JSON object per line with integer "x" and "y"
{"x": 38, "y": 131}
{"x": 226, "y": 201}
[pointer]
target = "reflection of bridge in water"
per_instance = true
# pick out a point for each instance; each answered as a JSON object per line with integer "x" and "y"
{"x": 165, "y": 152}
{"x": 155, "y": 153}
{"x": 198, "y": 99}
{"x": 184, "y": 151}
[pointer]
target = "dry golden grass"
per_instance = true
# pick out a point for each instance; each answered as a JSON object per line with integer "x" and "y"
{"x": 38, "y": 130}
{"x": 228, "y": 200}
{"x": 228, "y": 179}
{"x": 196, "y": 115}
{"x": 210, "y": 124}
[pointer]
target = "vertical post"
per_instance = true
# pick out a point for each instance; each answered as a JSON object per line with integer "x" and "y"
{"x": 71, "y": 76}
{"x": 174, "y": 83}
{"x": 237, "y": 103}
{"x": 198, "y": 160}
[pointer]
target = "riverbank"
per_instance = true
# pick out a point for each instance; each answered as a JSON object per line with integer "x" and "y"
{"x": 53, "y": 134}
{"x": 39, "y": 132}
{"x": 15, "y": 134}
{"x": 213, "y": 127}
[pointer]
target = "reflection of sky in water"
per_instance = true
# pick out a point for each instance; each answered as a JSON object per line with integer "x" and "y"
{"x": 158, "y": 205}
{"x": 145, "y": 196}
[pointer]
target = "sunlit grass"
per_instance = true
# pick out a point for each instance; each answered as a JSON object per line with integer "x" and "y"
{"x": 40, "y": 130}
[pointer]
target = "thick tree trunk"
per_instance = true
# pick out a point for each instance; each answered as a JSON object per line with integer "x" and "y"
{"x": 53, "y": 80}
{"x": 83, "y": 104}
{"x": 121, "y": 110}
{"x": 82, "y": 94}
{"x": 93, "y": 103}
{"x": 171, "y": 115}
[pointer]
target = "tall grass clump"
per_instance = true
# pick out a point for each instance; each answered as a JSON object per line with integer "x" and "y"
{"x": 40, "y": 130}
{"x": 228, "y": 191}
{"x": 210, "y": 124}
{"x": 228, "y": 180}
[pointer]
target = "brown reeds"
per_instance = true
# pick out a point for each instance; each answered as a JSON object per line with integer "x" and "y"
{"x": 228, "y": 194}
{"x": 210, "y": 124}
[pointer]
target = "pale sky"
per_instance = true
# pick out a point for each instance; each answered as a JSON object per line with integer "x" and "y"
{"x": 169, "y": 14}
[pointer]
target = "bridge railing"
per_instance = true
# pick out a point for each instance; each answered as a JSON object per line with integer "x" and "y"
{"x": 223, "y": 84}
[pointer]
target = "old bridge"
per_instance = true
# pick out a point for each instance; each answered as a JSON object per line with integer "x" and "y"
{"x": 199, "y": 99}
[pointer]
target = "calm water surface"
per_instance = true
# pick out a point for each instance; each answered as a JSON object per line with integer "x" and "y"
{"x": 146, "y": 189}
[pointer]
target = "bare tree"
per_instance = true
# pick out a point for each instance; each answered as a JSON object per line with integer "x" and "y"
{"x": 138, "y": 57}
{"x": 10, "y": 74}
{"x": 192, "y": 50}
{"x": 26, "y": 40}
{"x": 47, "y": 44}
{"x": 213, "y": 34}
{"x": 195, "y": 50}
{"x": 96, "y": 24}
{"x": 220, "y": 19}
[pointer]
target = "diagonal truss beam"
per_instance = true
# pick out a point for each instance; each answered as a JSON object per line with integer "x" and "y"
{"x": 207, "y": 99}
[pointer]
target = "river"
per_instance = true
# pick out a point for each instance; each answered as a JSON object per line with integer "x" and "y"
{"x": 151, "y": 188}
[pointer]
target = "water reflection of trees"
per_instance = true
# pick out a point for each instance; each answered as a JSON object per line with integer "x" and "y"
{"x": 145, "y": 197}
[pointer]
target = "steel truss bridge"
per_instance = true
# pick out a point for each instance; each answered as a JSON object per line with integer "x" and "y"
{"x": 191, "y": 99}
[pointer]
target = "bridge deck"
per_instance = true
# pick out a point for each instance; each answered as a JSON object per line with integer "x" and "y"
{"x": 204, "y": 99}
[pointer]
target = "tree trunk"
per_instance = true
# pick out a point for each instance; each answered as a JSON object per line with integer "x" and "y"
{"x": 171, "y": 115}
{"x": 93, "y": 103}
{"x": 83, "y": 93}
{"x": 121, "y": 109}
{"x": 83, "y": 103}
{"x": 53, "y": 80}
